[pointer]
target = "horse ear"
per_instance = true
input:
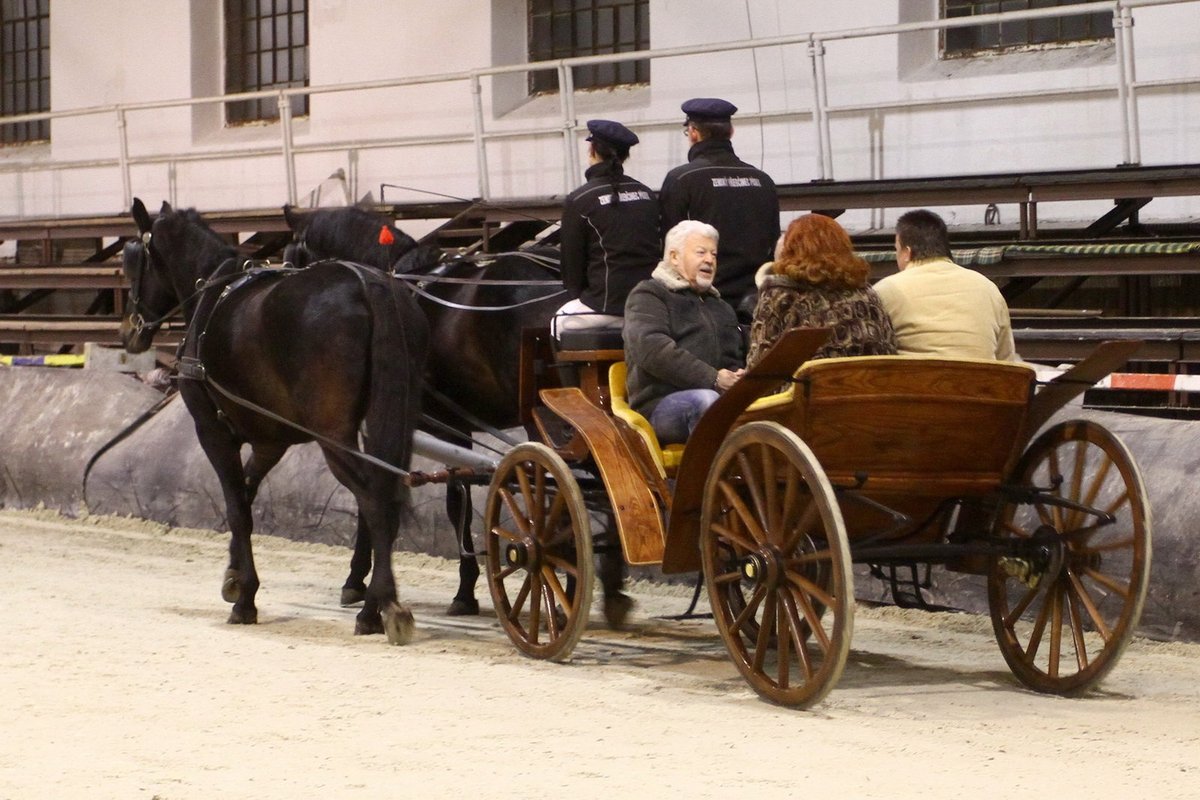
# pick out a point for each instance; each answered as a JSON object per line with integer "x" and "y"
{"x": 141, "y": 217}
{"x": 166, "y": 208}
{"x": 295, "y": 220}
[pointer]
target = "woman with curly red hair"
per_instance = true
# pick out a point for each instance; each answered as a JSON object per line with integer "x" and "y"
{"x": 816, "y": 281}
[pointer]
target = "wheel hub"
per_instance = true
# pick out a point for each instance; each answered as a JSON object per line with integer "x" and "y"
{"x": 525, "y": 554}
{"x": 763, "y": 567}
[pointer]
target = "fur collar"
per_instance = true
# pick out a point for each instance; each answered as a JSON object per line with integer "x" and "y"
{"x": 668, "y": 277}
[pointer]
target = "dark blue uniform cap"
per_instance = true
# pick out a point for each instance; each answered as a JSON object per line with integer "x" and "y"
{"x": 612, "y": 132}
{"x": 709, "y": 108}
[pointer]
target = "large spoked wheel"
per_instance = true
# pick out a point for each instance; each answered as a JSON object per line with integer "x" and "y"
{"x": 539, "y": 552}
{"x": 1064, "y": 608}
{"x": 777, "y": 564}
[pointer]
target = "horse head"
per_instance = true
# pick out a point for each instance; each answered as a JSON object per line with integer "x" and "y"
{"x": 348, "y": 233}
{"x": 172, "y": 254}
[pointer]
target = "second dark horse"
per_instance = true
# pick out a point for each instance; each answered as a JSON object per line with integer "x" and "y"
{"x": 277, "y": 357}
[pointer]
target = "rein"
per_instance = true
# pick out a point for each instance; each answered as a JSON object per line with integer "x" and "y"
{"x": 417, "y": 281}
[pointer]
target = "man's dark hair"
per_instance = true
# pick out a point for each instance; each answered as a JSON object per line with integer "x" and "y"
{"x": 719, "y": 129}
{"x": 924, "y": 232}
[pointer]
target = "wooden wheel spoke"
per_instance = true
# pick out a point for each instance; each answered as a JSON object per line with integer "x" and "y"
{"x": 558, "y": 507}
{"x": 1039, "y": 629}
{"x": 791, "y": 493}
{"x": 519, "y": 601}
{"x": 1116, "y": 504}
{"x": 535, "y": 606}
{"x": 504, "y": 573}
{"x": 1107, "y": 547}
{"x": 1098, "y": 482}
{"x": 748, "y": 612}
{"x": 1010, "y": 620}
{"x": 765, "y": 627}
{"x": 1108, "y": 582}
{"x": 550, "y": 579}
{"x": 505, "y": 535}
{"x": 556, "y": 562}
{"x": 743, "y": 512}
{"x": 755, "y": 482}
{"x": 1078, "y": 470}
{"x": 537, "y": 507}
{"x": 810, "y": 515}
{"x": 797, "y": 639}
{"x": 783, "y": 637}
{"x": 726, "y": 532}
{"x": 809, "y": 589}
{"x": 1080, "y": 592}
{"x": 1020, "y": 533}
{"x": 548, "y": 597}
{"x": 1081, "y": 659}
{"x": 770, "y": 484}
{"x": 518, "y": 513}
{"x": 1056, "y": 621}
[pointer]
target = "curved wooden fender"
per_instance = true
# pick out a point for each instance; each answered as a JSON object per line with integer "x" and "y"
{"x": 682, "y": 552}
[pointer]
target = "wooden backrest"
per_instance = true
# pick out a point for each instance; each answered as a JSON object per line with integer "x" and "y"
{"x": 910, "y": 424}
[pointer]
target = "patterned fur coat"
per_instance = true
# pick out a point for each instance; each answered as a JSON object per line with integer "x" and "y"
{"x": 860, "y": 325}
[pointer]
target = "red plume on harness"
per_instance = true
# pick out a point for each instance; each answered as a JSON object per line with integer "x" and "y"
{"x": 385, "y": 236}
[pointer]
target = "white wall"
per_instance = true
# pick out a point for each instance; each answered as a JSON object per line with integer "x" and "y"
{"x": 107, "y": 52}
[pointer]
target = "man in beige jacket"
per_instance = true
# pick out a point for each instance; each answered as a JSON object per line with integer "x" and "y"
{"x": 937, "y": 307}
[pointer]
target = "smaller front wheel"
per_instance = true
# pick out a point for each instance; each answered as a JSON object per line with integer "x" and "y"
{"x": 777, "y": 564}
{"x": 539, "y": 552}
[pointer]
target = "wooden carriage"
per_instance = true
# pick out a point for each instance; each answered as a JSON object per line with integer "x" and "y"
{"x": 888, "y": 461}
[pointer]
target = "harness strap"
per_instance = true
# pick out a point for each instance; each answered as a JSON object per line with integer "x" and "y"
{"x": 464, "y": 307}
{"x": 255, "y": 407}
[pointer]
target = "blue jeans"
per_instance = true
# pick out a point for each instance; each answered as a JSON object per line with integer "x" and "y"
{"x": 676, "y": 415}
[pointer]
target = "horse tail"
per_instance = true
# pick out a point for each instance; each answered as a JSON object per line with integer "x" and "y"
{"x": 399, "y": 342}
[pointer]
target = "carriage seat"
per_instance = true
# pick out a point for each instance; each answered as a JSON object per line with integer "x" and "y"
{"x": 666, "y": 459}
{"x": 591, "y": 340}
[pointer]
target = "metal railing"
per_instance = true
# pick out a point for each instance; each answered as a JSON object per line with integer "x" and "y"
{"x": 1125, "y": 87}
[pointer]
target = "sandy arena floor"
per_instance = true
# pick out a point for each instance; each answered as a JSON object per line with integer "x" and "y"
{"x": 120, "y": 679}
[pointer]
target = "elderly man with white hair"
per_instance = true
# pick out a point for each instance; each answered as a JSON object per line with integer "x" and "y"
{"x": 682, "y": 342}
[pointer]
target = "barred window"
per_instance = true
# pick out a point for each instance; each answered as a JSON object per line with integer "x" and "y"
{"x": 566, "y": 28}
{"x": 24, "y": 68}
{"x": 996, "y": 36}
{"x": 266, "y": 46}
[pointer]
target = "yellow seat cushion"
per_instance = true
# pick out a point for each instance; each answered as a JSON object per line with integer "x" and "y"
{"x": 666, "y": 459}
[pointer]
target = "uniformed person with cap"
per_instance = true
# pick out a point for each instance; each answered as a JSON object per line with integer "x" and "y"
{"x": 717, "y": 187}
{"x": 609, "y": 234}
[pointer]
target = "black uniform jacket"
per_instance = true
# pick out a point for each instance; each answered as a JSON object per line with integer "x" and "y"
{"x": 608, "y": 245}
{"x": 739, "y": 200}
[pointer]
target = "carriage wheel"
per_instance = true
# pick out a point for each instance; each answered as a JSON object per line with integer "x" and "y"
{"x": 777, "y": 564}
{"x": 539, "y": 552}
{"x": 1064, "y": 614}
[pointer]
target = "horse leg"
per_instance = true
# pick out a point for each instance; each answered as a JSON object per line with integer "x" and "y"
{"x": 240, "y": 583}
{"x": 611, "y": 572}
{"x": 354, "y": 590}
{"x": 379, "y": 517}
{"x": 459, "y": 509}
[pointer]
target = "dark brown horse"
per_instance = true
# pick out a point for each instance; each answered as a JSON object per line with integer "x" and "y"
{"x": 277, "y": 357}
{"x": 478, "y": 308}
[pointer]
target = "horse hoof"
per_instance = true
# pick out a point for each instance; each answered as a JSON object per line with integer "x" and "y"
{"x": 399, "y": 625}
{"x": 237, "y": 617}
{"x": 616, "y": 610}
{"x": 463, "y": 608}
{"x": 352, "y": 596}
{"x": 231, "y": 588}
{"x": 368, "y": 625}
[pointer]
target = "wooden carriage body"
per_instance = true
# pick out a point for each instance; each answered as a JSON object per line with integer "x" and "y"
{"x": 805, "y": 467}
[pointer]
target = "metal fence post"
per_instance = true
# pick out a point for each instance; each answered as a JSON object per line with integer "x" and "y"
{"x": 289, "y": 155}
{"x": 1127, "y": 82}
{"x": 481, "y": 165}
{"x": 816, "y": 56}
{"x": 566, "y": 101}
{"x": 123, "y": 157}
